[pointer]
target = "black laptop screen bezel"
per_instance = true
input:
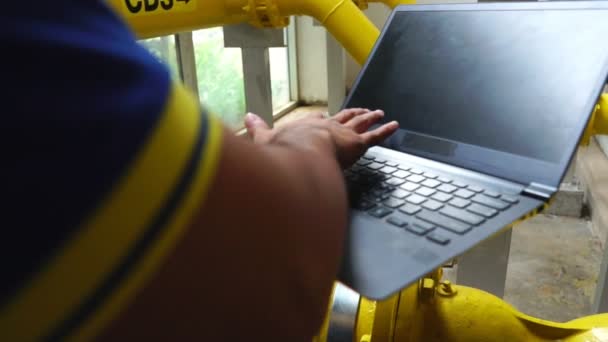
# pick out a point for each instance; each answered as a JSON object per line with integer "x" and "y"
{"x": 517, "y": 168}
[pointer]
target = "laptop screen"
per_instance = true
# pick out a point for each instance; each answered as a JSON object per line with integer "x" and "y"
{"x": 488, "y": 88}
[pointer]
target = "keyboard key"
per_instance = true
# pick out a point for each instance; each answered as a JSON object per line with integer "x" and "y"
{"x": 372, "y": 197}
{"x": 354, "y": 178}
{"x": 380, "y": 160}
{"x": 367, "y": 172}
{"x": 369, "y": 157}
{"x": 482, "y": 210}
{"x": 462, "y": 215}
{"x": 463, "y": 193}
{"x": 377, "y": 177}
{"x": 416, "y": 171}
{"x": 363, "y": 162}
{"x": 426, "y": 192}
{"x": 431, "y": 183}
{"x": 410, "y": 209}
{"x": 379, "y": 192}
{"x": 444, "y": 180}
{"x": 444, "y": 222}
{"x": 394, "y": 203}
{"x": 395, "y": 181}
{"x": 403, "y": 167}
{"x": 380, "y": 198}
{"x": 430, "y": 175}
{"x": 475, "y": 188}
{"x": 491, "y": 193}
{"x": 447, "y": 188}
{"x": 393, "y": 164}
{"x": 375, "y": 166}
{"x": 388, "y": 170}
{"x": 401, "y": 194}
{"x": 357, "y": 168}
{"x": 442, "y": 197}
{"x": 509, "y": 199}
{"x": 438, "y": 238}
{"x": 380, "y": 212}
{"x": 459, "y": 202}
{"x": 395, "y": 221}
{"x": 418, "y": 230}
{"x": 490, "y": 202}
{"x": 364, "y": 204}
{"x": 432, "y": 205}
{"x": 459, "y": 184}
{"x": 424, "y": 224}
{"x": 386, "y": 186}
{"x": 409, "y": 186}
{"x": 416, "y": 199}
{"x": 401, "y": 174}
{"x": 415, "y": 178}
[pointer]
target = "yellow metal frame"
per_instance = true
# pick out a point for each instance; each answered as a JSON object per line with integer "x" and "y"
{"x": 342, "y": 18}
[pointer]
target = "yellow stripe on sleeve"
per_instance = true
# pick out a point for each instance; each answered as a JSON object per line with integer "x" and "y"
{"x": 103, "y": 242}
{"x": 173, "y": 232}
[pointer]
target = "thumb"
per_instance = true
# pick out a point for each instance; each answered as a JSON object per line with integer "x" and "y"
{"x": 255, "y": 124}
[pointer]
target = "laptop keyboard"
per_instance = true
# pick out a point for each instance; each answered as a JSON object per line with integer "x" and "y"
{"x": 421, "y": 202}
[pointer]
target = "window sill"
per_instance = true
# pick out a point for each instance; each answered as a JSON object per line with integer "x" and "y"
{"x": 277, "y": 115}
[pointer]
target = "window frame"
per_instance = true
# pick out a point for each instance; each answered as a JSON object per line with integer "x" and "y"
{"x": 186, "y": 60}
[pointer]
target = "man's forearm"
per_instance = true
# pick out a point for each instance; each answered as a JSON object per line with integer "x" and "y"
{"x": 262, "y": 254}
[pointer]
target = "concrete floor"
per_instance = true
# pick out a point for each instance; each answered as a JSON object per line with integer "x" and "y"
{"x": 553, "y": 268}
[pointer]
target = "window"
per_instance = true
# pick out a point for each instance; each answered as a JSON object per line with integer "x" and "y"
{"x": 164, "y": 49}
{"x": 220, "y": 76}
{"x": 279, "y": 74}
{"x": 219, "y": 72}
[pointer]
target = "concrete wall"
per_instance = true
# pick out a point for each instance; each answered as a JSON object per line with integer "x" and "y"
{"x": 312, "y": 57}
{"x": 592, "y": 170}
{"x": 312, "y": 61}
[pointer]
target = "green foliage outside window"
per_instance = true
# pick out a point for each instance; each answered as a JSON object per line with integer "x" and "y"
{"x": 219, "y": 73}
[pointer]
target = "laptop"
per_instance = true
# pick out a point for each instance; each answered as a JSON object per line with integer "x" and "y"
{"x": 492, "y": 100}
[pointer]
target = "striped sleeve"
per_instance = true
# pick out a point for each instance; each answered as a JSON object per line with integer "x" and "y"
{"x": 129, "y": 170}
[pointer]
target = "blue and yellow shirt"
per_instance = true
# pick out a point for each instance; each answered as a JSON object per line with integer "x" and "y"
{"x": 105, "y": 161}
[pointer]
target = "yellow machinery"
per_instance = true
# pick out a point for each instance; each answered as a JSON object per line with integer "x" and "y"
{"x": 431, "y": 310}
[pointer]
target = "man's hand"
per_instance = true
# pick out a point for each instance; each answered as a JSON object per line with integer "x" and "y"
{"x": 345, "y": 136}
{"x": 282, "y": 236}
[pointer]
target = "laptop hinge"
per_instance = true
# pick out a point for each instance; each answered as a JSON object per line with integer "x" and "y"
{"x": 539, "y": 191}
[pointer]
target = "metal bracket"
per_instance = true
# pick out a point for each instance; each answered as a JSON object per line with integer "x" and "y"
{"x": 265, "y": 14}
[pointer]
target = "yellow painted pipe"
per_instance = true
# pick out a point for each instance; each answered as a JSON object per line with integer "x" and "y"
{"x": 601, "y": 116}
{"x": 149, "y": 18}
{"x": 355, "y": 32}
{"x": 435, "y": 311}
{"x": 342, "y": 18}
{"x": 395, "y": 3}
